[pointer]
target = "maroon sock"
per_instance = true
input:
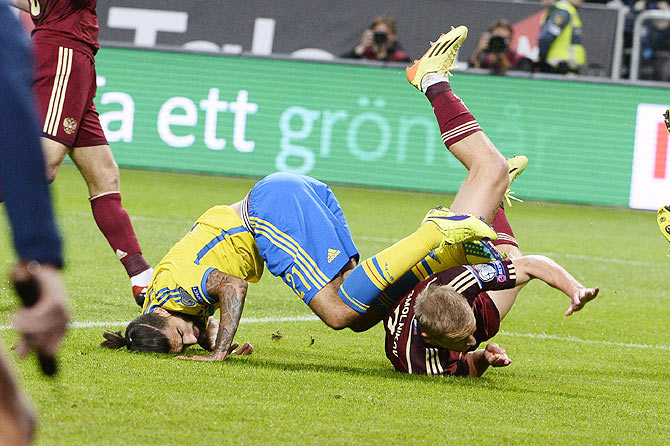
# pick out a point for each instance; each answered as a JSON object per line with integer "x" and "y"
{"x": 114, "y": 223}
{"x": 503, "y": 228}
{"x": 455, "y": 120}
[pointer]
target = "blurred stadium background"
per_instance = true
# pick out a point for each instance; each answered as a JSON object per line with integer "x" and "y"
{"x": 231, "y": 87}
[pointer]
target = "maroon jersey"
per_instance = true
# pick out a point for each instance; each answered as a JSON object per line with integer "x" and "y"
{"x": 68, "y": 23}
{"x": 405, "y": 347}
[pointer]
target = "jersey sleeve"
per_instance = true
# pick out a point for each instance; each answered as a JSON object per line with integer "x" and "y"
{"x": 470, "y": 280}
{"x": 487, "y": 317}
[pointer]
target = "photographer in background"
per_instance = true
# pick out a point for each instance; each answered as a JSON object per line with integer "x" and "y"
{"x": 378, "y": 43}
{"x": 493, "y": 51}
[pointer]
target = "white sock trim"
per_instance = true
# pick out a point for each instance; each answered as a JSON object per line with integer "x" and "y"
{"x": 103, "y": 194}
{"x": 432, "y": 79}
{"x": 142, "y": 279}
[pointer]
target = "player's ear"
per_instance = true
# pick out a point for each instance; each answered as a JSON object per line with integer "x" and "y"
{"x": 161, "y": 311}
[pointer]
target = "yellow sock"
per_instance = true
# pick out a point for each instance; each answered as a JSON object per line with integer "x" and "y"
{"x": 389, "y": 265}
{"x": 375, "y": 274}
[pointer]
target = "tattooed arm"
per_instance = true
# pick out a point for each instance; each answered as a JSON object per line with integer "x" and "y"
{"x": 230, "y": 291}
{"x": 21, "y": 4}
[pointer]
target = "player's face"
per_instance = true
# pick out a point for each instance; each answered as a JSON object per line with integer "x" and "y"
{"x": 459, "y": 344}
{"x": 181, "y": 333}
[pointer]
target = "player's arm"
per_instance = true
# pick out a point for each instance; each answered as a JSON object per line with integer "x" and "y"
{"x": 21, "y": 4}
{"x": 553, "y": 274}
{"x": 231, "y": 292}
{"x": 480, "y": 360}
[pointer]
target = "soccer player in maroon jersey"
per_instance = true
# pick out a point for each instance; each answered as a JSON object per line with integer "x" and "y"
{"x": 64, "y": 43}
{"x": 436, "y": 327}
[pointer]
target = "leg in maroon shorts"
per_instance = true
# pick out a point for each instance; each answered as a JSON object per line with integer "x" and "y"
{"x": 64, "y": 87}
{"x": 504, "y": 229}
{"x": 507, "y": 244}
{"x": 101, "y": 174}
{"x": 487, "y": 178}
{"x": 54, "y": 154}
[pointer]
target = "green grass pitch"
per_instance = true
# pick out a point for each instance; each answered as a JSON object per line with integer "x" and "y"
{"x": 598, "y": 377}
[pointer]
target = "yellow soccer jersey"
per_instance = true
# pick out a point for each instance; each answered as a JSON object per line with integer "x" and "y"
{"x": 218, "y": 240}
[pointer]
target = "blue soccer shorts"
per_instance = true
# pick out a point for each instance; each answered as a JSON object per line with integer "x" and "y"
{"x": 300, "y": 230}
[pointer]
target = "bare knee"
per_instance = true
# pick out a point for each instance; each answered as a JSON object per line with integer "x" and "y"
{"x": 332, "y": 310}
{"x": 51, "y": 170}
{"x": 54, "y": 154}
{"x": 493, "y": 170}
{"x": 367, "y": 320}
{"x": 337, "y": 320}
{"x": 500, "y": 172}
{"x": 355, "y": 321}
{"x": 103, "y": 179}
{"x": 98, "y": 168}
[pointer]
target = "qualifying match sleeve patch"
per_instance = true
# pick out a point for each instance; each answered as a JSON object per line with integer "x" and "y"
{"x": 486, "y": 272}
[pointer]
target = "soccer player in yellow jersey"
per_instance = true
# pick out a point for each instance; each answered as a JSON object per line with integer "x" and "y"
{"x": 294, "y": 225}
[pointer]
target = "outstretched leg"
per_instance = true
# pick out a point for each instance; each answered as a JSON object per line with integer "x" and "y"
{"x": 101, "y": 173}
{"x": 487, "y": 178}
{"x": 362, "y": 284}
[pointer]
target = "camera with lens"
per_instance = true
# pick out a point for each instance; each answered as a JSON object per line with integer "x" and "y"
{"x": 380, "y": 38}
{"x": 498, "y": 44}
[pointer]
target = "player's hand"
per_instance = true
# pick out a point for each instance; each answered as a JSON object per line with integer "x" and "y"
{"x": 212, "y": 332}
{"x": 245, "y": 350}
{"x": 580, "y": 298}
{"x": 496, "y": 356}
{"x": 43, "y": 325}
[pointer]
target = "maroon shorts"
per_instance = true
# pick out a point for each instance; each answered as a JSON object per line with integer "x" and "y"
{"x": 64, "y": 87}
{"x": 504, "y": 229}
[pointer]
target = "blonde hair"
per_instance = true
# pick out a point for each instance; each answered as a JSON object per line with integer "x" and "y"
{"x": 443, "y": 314}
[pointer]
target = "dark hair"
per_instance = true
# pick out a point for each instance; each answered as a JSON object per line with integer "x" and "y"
{"x": 144, "y": 334}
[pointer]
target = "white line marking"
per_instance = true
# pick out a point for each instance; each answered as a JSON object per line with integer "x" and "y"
{"x": 185, "y": 221}
{"x": 600, "y": 259}
{"x": 389, "y": 241}
{"x": 251, "y": 320}
{"x": 386, "y": 240}
{"x": 583, "y": 341}
{"x": 261, "y": 320}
